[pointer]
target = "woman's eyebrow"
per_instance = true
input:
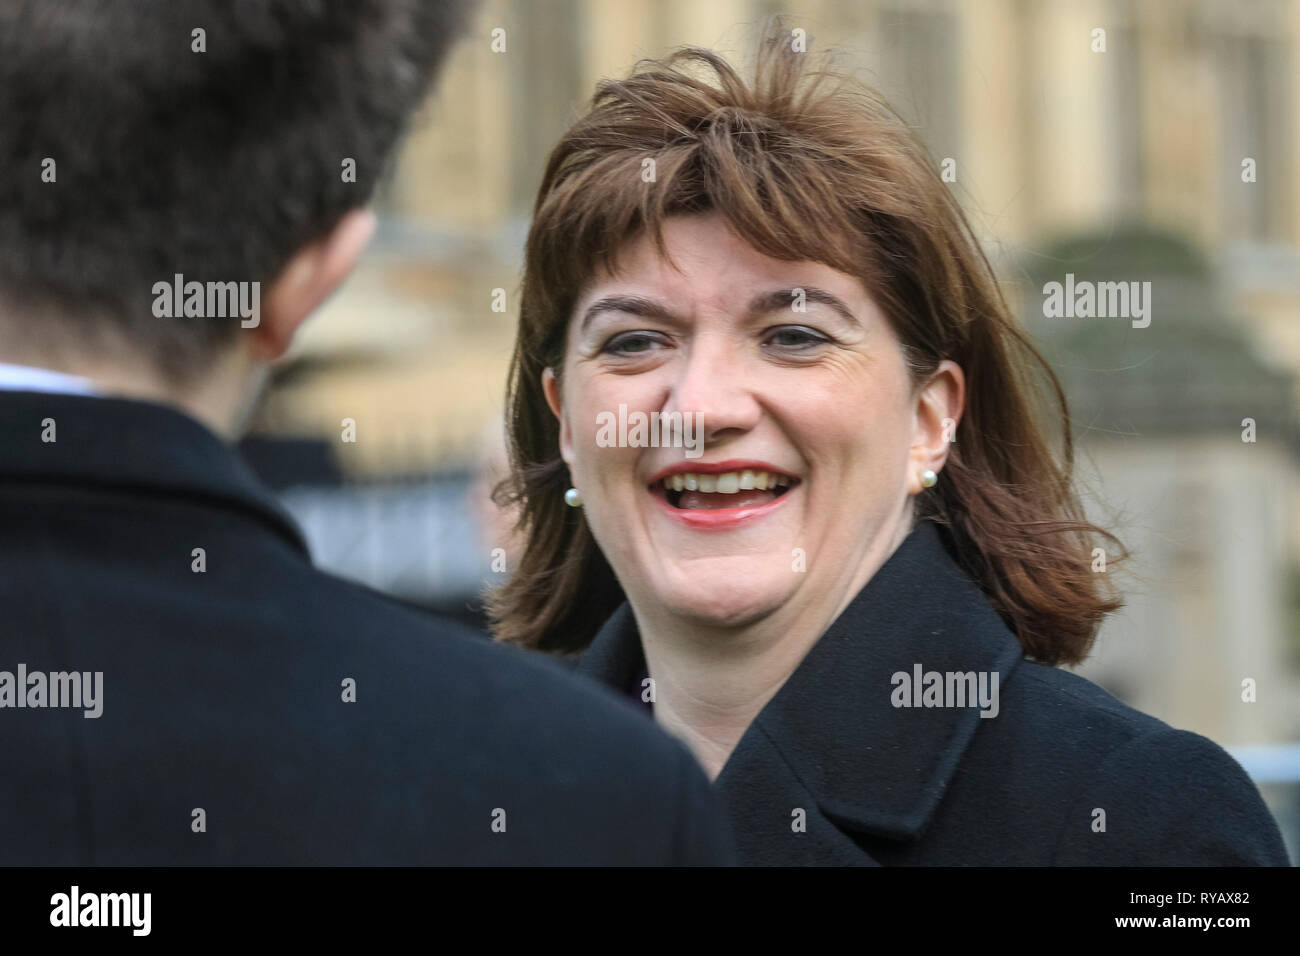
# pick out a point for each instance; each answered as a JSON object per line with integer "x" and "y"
{"x": 785, "y": 299}
{"x": 631, "y": 304}
{"x": 767, "y": 302}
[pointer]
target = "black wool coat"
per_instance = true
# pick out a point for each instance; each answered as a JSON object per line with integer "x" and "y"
{"x": 835, "y": 770}
{"x": 223, "y": 686}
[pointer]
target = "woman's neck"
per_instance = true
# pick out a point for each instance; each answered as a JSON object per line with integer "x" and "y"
{"x": 710, "y": 683}
{"x": 709, "y": 687}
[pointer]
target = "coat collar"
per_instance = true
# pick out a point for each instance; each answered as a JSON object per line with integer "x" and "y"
{"x": 866, "y": 764}
{"x": 128, "y": 446}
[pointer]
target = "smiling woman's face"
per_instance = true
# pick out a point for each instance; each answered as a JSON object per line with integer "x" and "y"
{"x": 817, "y": 404}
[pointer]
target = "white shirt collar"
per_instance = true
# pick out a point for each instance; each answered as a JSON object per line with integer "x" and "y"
{"x": 28, "y": 378}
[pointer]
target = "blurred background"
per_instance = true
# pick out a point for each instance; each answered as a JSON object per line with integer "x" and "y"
{"x": 1166, "y": 149}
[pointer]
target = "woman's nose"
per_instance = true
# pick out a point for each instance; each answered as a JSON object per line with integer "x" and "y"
{"x": 715, "y": 385}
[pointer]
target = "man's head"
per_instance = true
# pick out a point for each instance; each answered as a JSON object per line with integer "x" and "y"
{"x": 222, "y": 141}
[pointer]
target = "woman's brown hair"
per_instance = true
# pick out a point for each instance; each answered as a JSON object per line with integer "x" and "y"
{"x": 804, "y": 164}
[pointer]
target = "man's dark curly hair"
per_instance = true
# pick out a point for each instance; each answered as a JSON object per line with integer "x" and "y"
{"x": 217, "y": 164}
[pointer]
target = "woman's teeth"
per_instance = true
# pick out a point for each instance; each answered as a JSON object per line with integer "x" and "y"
{"x": 727, "y": 483}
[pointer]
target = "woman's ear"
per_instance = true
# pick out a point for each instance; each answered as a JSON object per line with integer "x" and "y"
{"x": 939, "y": 406}
{"x": 555, "y": 399}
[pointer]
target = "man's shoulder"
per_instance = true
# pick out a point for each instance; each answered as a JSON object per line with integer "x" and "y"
{"x": 513, "y": 731}
{"x": 320, "y": 720}
{"x": 430, "y": 663}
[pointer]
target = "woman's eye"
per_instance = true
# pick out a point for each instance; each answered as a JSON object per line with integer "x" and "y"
{"x": 631, "y": 343}
{"x": 796, "y": 338}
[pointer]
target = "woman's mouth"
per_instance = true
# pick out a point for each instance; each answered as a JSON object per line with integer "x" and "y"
{"x": 746, "y": 488}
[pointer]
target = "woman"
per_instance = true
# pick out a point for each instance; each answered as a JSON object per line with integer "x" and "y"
{"x": 847, "y": 590}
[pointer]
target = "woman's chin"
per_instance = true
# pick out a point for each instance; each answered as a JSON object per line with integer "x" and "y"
{"x": 724, "y": 603}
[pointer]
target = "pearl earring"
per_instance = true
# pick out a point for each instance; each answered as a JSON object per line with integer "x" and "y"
{"x": 928, "y": 478}
{"x": 573, "y": 498}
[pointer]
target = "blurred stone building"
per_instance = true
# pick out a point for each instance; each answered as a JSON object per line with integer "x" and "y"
{"x": 1187, "y": 438}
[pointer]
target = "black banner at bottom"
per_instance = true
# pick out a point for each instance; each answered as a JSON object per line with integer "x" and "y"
{"x": 90, "y": 906}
